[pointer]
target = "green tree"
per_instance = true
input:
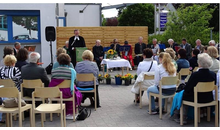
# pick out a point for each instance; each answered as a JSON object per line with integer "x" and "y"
{"x": 103, "y": 20}
{"x": 138, "y": 15}
{"x": 191, "y": 22}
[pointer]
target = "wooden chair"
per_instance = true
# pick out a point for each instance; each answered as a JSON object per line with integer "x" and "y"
{"x": 7, "y": 82}
{"x": 195, "y": 69}
{"x": 31, "y": 84}
{"x": 85, "y": 78}
{"x": 202, "y": 87}
{"x": 51, "y": 92}
{"x": 12, "y": 92}
{"x": 164, "y": 81}
{"x": 183, "y": 72}
{"x": 146, "y": 77}
{"x": 66, "y": 84}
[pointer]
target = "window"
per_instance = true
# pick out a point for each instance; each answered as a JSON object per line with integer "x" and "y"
{"x": 3, "y": 28}
{"x": 21, "y": 26}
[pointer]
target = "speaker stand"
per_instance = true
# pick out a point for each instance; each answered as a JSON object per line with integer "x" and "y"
{"x": 51, "y": 54}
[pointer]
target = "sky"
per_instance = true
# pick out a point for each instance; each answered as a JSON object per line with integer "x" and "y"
{"x": 110, "y": 12}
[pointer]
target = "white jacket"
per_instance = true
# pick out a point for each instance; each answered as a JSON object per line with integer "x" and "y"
{"x": 145, "y": 83}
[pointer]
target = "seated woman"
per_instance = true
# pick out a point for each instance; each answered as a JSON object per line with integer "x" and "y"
{"x": 88, "y": 66}
{"x": 147, "y": 65}
{"x": 22, "y": 56}
{"x": 166, "y": 69}
{"x": 61, "y": 73}
{"x": 15, "y": 73}
{"x": 173, "y": 55}
{"x": 7, "y": 51}
{"x": 202, "y": 75}
{"x": 213, "y": 53}
{"x": 60, "y": 51}
{"x": 9, "y": 71}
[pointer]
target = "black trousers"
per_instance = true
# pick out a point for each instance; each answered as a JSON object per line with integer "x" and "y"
{"x": 85, "y": 95}
{"x": 98, "y": 62}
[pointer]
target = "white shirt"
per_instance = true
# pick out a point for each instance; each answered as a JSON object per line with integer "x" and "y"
{"x": 76, "y": 37}
{"x": 145, "y": 65}
{"x": 159, "y": 74}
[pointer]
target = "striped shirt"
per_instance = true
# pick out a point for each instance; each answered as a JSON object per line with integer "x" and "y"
{"x": 10, "y": 72}
{"x": 61, "y": 73}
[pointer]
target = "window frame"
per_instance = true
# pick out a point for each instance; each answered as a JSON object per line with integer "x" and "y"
{"x": 10, "y": 14}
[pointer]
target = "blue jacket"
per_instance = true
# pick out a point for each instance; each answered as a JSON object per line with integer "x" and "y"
{"x": 177, "y": 102}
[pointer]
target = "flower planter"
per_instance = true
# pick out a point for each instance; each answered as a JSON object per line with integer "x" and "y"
{"x": 130, "y": 80}
{"x": 118, "y": 81}
{"x": 127, "y": 82}
{"x": 108, "y": 81}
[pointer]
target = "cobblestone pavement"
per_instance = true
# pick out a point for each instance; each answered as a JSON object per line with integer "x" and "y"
{"x": 118, "y": 110}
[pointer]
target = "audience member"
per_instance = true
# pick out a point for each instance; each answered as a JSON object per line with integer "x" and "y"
{"x": 66, "y": 47}
{"x": 213, "y": 53}
{"x": 155, "y": 47}
{"x": 172, "y": 45}
{"x": 182, "y": 62}
{"x": 9, "y": 71}
{"x": 22, "y": 56}
{"x": 202, "y": 75}
{"x": 205, "y": 49}
{"x": 193, "y": 61}
{"x": 85, "y": 67}
{"x": 187, "y": 47}
{"x": 173, "y": 55}
{"x": 199, "y": 46}
{"x": 138, "y": 50}
{"x": 212, "y": 43}
{"x": 61, "y": 73}
{"x": 147, "y": 65}
{"x": 128, "y": 54}
{"x": 166, "y": 69}
{"x": 7, "y": 51}
{"x": 60, "y": 51}
{"x": 98, "y": 53}
{"x": 33, "y": 71}
{"x": 17, "y": 47}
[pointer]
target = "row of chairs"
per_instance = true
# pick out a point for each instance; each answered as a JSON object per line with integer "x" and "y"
{"x": 36, "y": 84}
{"x": 176, "y": 80}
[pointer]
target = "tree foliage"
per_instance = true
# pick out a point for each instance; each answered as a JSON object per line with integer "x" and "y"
{"x": 103, "y": 20}
{"x": 112, "y": 21}
{"x": 191, "y": 22}
{"x": 138, "y": 15}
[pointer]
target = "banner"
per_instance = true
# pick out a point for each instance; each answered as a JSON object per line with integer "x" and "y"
{"x": 79, "y": 51}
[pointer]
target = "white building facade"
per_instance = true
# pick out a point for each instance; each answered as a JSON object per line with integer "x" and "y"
{"x": 26, "y": 23}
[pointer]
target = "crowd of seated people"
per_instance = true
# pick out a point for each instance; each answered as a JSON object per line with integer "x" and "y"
{"x": 24, "y": 66}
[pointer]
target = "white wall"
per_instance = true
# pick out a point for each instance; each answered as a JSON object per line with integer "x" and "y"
{"x": 89, "y": 18}
{"x": 47, "y": 18}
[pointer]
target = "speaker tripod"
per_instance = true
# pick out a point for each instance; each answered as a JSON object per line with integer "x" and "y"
{"x": 51, "y": 53}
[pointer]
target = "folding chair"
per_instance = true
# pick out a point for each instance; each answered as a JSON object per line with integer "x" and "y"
{"x": 183, "y": 72}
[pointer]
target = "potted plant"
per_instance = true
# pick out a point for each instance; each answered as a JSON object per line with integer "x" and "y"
{"x": 100, "y": 78}
{"x": 118, "y": 80}
{"x": 111, "y": 54}
{"x": 127, "y": 78}
{"x": 108, "y": 78}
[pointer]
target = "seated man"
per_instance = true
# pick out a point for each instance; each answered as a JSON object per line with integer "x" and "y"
{"x": 98, "y": 53}
{"x": 33, "y": 71}
{"x": 138, "y": 49}
{"x": 128, "y": 55}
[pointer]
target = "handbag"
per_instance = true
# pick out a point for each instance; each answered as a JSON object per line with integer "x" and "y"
{"x": 83, "y": 113}
{"x": 181, "y": 87}
{"x": 13, "y": 102}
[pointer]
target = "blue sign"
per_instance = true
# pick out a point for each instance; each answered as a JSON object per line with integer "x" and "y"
{"x": 163, "y": 20}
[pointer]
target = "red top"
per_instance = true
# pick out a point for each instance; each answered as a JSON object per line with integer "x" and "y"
{"x": 129, "y": 52}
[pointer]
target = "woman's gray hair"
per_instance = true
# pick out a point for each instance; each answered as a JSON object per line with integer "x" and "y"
{"x": 34, "y": 57}
{"x": 204, "y": 60}
{"x": 212, "y": 42}
{"x": 170, "y": 40}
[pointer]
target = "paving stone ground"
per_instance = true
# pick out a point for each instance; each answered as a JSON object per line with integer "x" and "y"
{"x": 118, "y": 110}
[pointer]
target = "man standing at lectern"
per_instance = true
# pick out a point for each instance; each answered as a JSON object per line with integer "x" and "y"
{"x": 75, "y": 41}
